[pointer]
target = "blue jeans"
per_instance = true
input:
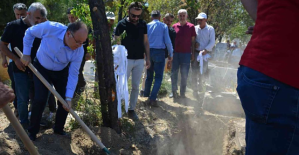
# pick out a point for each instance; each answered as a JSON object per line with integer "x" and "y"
{"x": 157, "y": 66}
{"x": 10, "y": 73}
{"x": 180, "y": 61}
{"x": 272, "y": 110}
{"x": 23, "y": 83}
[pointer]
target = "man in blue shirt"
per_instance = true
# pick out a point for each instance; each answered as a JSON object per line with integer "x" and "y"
{"x": 158, "y": 37}
{"x": 60, "y": 47}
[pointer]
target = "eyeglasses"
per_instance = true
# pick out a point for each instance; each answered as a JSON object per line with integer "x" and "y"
{"x": 135, "y": 16}
{"x": 79, "y": 43}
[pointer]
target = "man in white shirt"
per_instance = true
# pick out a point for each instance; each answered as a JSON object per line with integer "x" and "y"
{"x": 205, "y": 37}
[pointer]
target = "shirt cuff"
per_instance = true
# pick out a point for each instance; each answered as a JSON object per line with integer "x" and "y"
{"x": 27, "y": 50}
{"x": 69, "y": 93}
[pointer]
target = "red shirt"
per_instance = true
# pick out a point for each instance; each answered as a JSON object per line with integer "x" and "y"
{"x": 183, "y": 39}
{"x": 273, "y": 49}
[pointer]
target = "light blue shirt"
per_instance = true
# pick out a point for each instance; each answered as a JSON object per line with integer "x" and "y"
{"x": 158, "y": 36}
{"x": 53, "y": 54}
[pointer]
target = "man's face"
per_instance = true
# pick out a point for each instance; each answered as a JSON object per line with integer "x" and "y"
{"x": 77, "y": 39}
{"x": 35, "y": 17}
{"x": 134, "y": 15}
{"x": 168, "y": 21}
{"x": 72, "y": 18}
{"x": 110, "y": 22}
{"x": 201, "y": 22}
{"x": 19, "y": 13}
{"x": 182, "y": 17}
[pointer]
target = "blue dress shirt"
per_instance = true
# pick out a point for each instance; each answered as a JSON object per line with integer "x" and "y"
{"x": 158, "y": 36}
{"x": 53, "y": 54}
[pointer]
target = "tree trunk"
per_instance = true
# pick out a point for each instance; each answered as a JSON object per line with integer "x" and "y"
{"x": 104, "y": 58}
{"x": 120, "y": 11}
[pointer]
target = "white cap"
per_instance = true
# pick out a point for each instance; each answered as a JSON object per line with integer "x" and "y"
{"x": 110, "y": 15}
{"x": 201, "y": 16}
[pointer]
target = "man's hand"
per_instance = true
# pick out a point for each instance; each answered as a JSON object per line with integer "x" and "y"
{"x": 148, "y": 63}
{"x": 204, "y": 52}
{"x": 4, "y": 62}
{"x": 250, "y": 30}
{"x": 26, "y": 59}
{"x": 69, "y": 106}
{"x": 6, "y": 95}
{"x": 170, "y": 59}
{"x": 20, "y": 65}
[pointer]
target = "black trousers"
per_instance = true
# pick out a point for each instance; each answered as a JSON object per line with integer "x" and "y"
{"x": 59, "y": 80}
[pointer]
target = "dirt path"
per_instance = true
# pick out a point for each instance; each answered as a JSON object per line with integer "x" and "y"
{"x": 172, "y": 128}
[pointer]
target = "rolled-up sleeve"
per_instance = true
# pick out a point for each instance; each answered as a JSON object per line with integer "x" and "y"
{"x": 73, "y": 73}
{"x": 37, "y": 31}
{"x": 211, "y": 44}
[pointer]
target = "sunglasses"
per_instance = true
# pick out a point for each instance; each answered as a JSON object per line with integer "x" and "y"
{"x": 135, "y": 16}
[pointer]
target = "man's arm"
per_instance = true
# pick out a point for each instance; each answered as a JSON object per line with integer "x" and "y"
{"x": 251, "y": 7}
{"x": 211, "y": 44}
{"x": 73, "y": 74}
{"x": 168, "y": 41}
{"x": 4, "y": 49}
{"x": 31, "y": 33}
{"x": 192, "y": 48}
{"x": 4, "y": 60}
{"x": 147, "y": 51}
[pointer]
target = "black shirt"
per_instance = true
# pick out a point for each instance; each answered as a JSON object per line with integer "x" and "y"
{"x": 14, "y": 33}
{"x": 172, "y": 35}
{"x": 134, "y": 37}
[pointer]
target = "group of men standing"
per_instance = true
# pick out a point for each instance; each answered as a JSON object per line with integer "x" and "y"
{"x": 155, "y": 41}
{"x": 56, "y": 52}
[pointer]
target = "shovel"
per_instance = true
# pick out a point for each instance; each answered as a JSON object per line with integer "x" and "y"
{"x": 54, "y": 92}
{"x": 19, "y": 129}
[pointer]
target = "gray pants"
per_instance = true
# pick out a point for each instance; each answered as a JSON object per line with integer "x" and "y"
{"x": 197, "y": 78}
{"x": 135, "y": 66}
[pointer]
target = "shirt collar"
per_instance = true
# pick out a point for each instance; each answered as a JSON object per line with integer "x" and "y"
{"x": 61, "y": 36}
{"x": 204, "y": 27}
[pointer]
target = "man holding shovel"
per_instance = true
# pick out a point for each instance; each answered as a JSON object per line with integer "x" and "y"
{"x": 60, "y": 46}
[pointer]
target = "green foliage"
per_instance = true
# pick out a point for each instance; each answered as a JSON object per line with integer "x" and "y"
{"x": 165, "y": 86}
{"x": 7, "y": 13}
{"x": 89, "y": 111}
{"x": 57, "y": 9}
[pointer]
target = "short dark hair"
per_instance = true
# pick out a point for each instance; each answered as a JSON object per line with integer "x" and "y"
{"x": 155, "y": 13}
{"x": 73, "y": 27}
{"x": 69, "y": 10}
{"x": 19, "y": 6}
{"x": 135, "y": 5}
{"x": 169, "y": 15}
